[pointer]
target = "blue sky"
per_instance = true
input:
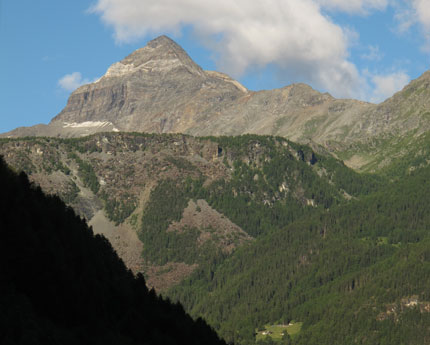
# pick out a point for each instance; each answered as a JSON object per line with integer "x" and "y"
{"x": 365, "y": 49}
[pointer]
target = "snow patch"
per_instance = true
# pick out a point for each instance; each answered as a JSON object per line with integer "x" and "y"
{"x": 87, "y": 124}
{"x": 118, "y": 69}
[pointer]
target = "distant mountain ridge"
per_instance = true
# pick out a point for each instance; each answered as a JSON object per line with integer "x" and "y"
{"x": 160, "y": 89}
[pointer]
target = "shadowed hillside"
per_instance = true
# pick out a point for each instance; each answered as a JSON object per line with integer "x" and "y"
{"x": 182, "y": 201}
{"x": 60, "y": 284}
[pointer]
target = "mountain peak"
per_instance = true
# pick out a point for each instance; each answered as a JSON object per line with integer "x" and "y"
{"x": 161, "y": 46}
{"x": 161, "y": 55}
{"x": 163, "y": 40}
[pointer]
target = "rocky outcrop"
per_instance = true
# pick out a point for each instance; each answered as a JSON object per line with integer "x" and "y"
{"x": 159, "y": 89}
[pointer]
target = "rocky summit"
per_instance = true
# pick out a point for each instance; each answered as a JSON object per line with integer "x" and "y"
{"x": 160, "y": 89}
{"x": 157, "y": 88}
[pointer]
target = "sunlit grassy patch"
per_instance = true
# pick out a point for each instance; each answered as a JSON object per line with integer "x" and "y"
{"x": 277, "y": 331}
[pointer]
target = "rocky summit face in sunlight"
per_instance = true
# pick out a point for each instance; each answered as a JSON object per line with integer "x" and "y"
{"x": 159, "y": 89}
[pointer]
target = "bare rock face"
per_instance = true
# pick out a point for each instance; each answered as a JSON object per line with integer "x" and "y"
{"x": 159, "y": 89}
{"x": 127, "y": 167}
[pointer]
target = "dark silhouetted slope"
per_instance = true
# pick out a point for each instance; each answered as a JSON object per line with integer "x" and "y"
{"x": 60, "y": 284}
{"x": 138, "y": 190}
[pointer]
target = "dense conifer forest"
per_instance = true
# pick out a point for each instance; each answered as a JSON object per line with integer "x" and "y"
{"x": 358, "y": 272}
{"x": 268, "y": 190}
{"x": 343, "y": 257}
{"x": 60, "y": 284}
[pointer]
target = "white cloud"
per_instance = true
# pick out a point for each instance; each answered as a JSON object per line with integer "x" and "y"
{"x": 415, "y": 12}
{"x": 293, "y": 35}
{"x": 404, "y": 18}
{"x": 422, "y": 12}
{"x": 386, "y": 85}
{"x": 373, "y": 54}
{"x": 71, "y": 82}
{"x": 354, "y": 6}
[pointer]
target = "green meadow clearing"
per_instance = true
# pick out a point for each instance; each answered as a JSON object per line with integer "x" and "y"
{"x": 276, "y": 331}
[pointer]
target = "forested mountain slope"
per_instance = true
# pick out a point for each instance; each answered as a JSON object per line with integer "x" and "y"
{"x": 185, "y": 201}
{"x": 256, "y": 230}
{"x": 264, "y": 231}
{"x": 358, "y": 273}
{"x": 60, "y": 284}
